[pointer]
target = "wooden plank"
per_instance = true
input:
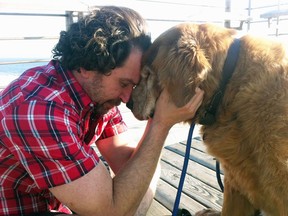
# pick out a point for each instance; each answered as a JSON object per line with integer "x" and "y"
{"x": 194, "y": 169}
{"x": 197, "y": 143}
{"x": 165, "y": 194}
{"x": 194, "y": 188}
{"x": 197, "y": 156}
{"x": 157, "y": 209}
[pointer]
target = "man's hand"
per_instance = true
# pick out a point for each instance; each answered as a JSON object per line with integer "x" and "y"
{"x": 168, "y": 114}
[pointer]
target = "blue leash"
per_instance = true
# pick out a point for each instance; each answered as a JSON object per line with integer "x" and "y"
{"x": 184, "y": 170}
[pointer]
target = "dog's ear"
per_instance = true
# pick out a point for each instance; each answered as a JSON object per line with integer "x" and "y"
{"x": 184, "y": 66}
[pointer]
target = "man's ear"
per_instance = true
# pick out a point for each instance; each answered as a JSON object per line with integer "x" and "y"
{"x": 85, "y": 74}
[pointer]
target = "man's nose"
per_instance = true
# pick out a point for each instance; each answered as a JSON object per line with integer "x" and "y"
{"x": 126, "y": 94}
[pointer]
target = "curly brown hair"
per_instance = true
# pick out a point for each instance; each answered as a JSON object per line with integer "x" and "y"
{"x": 102, "y": 40}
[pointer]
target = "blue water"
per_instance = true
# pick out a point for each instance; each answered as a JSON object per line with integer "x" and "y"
{"x": 9, "y": 72}
{"x": 19, "y": 50}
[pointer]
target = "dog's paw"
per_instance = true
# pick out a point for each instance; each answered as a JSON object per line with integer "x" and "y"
{"x": 208, "y": 212}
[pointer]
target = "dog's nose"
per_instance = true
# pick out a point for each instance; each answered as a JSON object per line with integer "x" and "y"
{"x": 129, "y": 104}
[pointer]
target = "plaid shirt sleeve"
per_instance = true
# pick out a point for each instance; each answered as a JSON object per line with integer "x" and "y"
{"x": 113, "y": 124}
{"x": 45, "y": 138}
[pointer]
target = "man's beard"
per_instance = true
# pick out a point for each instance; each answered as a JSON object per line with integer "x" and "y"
{"x": 95, "y": 89}
{"x": 102, "y": 109}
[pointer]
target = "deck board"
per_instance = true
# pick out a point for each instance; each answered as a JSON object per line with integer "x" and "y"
{"x": 200, "y": 189}
{"x": 197, "y": 156}
{"x": 158, "y": 209}
{"x": 194, "y": 169}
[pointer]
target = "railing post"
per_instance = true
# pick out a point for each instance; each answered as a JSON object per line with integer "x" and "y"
{"x": 227, "y": 23}
{"x": 69, "y": 18}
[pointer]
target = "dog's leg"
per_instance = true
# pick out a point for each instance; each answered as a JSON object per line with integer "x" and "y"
{"x": 236, "y": 204}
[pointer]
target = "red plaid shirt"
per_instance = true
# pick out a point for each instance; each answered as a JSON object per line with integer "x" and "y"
{"x": 45, "y": 137}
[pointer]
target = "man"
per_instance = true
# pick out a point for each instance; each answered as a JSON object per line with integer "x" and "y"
{"x": 52, "y": 114}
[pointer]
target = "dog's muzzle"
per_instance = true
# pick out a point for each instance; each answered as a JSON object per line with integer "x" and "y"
{"x": 129, "y": 104}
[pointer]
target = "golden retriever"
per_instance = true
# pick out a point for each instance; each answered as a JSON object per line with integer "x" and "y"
{"x": 250, "y": 134}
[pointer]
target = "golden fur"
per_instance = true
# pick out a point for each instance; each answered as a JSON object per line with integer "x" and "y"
{"x": 250, "y": 135}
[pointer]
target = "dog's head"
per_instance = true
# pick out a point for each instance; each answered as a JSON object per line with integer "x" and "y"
{"x": 178, "y": 61}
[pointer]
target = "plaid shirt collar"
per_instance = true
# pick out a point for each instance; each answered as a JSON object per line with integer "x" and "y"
{"x": 77, "y": 93}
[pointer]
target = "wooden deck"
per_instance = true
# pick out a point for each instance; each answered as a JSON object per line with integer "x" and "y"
{"x": 200, "y": 190}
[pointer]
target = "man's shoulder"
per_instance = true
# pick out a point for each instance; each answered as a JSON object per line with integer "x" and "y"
{"x": 36, "y": 88}
{"x": 44, "y": 83}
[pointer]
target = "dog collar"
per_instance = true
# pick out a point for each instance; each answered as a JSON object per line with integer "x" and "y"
{"x": 209, "y": 116}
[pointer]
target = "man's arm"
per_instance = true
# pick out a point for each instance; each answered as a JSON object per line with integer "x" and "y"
{"x": 97, "y": 193}
{"x": 116, "y": 150}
